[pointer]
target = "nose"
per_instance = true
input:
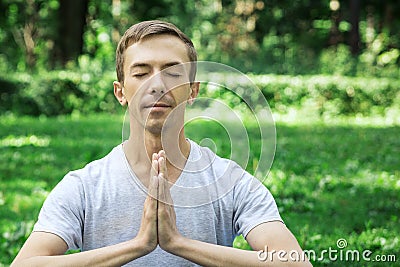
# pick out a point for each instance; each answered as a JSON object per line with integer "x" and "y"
{"x": 156, "y": 84}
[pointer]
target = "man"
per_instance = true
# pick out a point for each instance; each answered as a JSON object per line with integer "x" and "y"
{"x": 137, "y": 205}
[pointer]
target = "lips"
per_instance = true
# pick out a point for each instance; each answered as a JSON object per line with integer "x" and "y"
{"x": 158, "y": 105}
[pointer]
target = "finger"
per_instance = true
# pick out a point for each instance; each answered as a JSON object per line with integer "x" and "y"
{"x": 166, "y": 183}
{"x": 150, "y": 203}
{"x": 153, "y": 187}
{"x": 153, "y": 182}
{"x": 162, "y": 164}
{"x": 161, "y": 153}
{"x": 164, "y": 190}
{"x": 167, "y": 192}
{"x": 148, "y": 227}
{"x": 154, "y": 166}
{"x": 161, "y": 188}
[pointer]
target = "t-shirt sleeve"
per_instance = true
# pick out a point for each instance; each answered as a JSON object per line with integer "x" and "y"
{"x": 62, "y": 212}
{"x": 253, "y": 205}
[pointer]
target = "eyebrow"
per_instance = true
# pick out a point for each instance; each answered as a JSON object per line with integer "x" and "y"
{"x": 138, "y": 65}
{"x": 170, "y": 64}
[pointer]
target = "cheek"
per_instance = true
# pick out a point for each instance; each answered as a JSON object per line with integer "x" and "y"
{"x": 132, "y": 90}
{"x": 181, "y": 93}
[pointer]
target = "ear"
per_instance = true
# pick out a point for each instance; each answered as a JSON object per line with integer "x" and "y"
{"x": 119, "y": 93}
{"x": 194, "y": 91}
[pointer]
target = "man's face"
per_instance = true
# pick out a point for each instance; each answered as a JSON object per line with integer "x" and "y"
{"x": 156, "y": 82}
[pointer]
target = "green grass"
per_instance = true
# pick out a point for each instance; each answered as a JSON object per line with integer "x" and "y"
{"x": 330, "y": 181}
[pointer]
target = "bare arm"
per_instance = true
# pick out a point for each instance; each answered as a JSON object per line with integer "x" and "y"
{"x": 273, "y": 236}
{"x": 46, "y": 249}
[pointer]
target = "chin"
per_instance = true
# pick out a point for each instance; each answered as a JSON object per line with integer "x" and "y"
{"x": 155, "y": 128}
{"x": 155, "y": 125}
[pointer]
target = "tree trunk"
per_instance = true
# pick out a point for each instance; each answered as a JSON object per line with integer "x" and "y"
{"x": 71, "y": 25}
{"x": 355, "y": 31}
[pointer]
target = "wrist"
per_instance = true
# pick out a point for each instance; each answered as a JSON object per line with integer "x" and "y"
{"x": 142, "y": 246}
{"x": 175, "y": 245}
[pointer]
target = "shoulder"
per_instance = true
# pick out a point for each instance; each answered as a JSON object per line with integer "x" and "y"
{"x": 92, "y": 173}
{"x": 227, "y": 171}
{"x": 92, "y": 170}
{"x": 232, "y": 173}
{"x": 205, "y": 158}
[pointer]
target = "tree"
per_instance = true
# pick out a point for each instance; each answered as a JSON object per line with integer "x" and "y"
{"x": 71, "y": 27}
{"x": 354, "y": 41}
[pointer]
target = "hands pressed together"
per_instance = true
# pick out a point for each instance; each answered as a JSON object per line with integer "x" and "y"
{"x": 158, "y": 226}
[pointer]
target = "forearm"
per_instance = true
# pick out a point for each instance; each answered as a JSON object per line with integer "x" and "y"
{"x": 115, "y": 255}
{"x": 206, "y": 254}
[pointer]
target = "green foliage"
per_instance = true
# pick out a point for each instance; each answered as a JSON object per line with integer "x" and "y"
{"x": 330, "y": 180}
{"x": 58, "y": 92}
{"x": 339, "y": 184}
{"x": 326, "y": 95}
{"x": 65, "y": 92}
{"x": 25, "y": 35}
{"x": 33, "y": 159}
{"x": 338, "y": 61}
{"x": 281, "y": 37}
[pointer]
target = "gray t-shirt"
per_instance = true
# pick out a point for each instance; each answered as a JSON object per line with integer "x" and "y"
{"x": 102, "y": 203}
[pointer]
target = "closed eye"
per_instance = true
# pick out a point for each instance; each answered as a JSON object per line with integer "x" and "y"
{"x": 139, "y": 75}
{"x": 174, "y": 74}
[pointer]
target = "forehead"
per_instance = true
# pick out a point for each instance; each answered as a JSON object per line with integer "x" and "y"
{"x": 157, "y": 49}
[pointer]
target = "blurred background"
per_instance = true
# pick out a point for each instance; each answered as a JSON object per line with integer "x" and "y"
{"x": 329, "y": 70}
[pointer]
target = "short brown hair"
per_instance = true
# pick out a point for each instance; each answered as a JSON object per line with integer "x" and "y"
{"x": 144, "y": 29}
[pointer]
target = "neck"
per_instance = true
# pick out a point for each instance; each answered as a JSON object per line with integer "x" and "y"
{"x": 142, "y": 144}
